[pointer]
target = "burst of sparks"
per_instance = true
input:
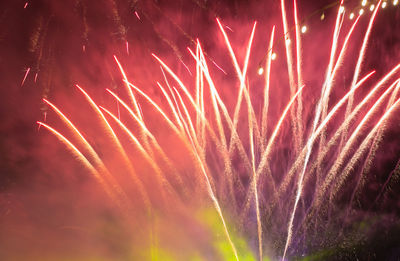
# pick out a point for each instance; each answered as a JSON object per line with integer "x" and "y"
{"x": 222, "y": 126}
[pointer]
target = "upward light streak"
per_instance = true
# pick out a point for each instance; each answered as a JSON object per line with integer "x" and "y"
{"x": 241, "y": 73}
{"x": 264, "y": 121}
{"x": 360, "y": 60}
{"x": 299, "y": 73}
{"x": 292, "y": 84}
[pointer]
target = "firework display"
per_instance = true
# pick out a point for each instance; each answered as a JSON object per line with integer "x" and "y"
{"x": 229, "y": 149}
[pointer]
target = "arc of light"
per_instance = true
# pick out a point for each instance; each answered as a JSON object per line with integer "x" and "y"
{"x": 121, "y": 150}
{"x": 142, "y": 150}
{"x": 144, "y": 128}
{"x": 83, "y": 160}
{"x": 88, "y": 147}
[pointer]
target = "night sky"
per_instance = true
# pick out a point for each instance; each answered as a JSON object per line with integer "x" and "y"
{"x": 51, "y": 209}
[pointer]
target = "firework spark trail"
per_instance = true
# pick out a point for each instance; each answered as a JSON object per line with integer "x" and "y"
{"x": 228, "y": 119}
{"x": 171, "y": 105}
{"x": 300, "y": 159}
{"x": 195, "y": 132}
{"x": 131, "y": 95}
{"x": 190, "y": 130}
{"x": 328, "y": 81}
{"x": 89, "y": 148}
{"x": 219, "y": 67}
{"x": 343, "y": 126}
{"x": 349, "y": 144}
{"x": 292, "y": 85}
{"x": 362, "y": 148}
{"x": 151, "y": 136}
{"x": 242, "y": 77}
{"x": 224, "y": 147}
{"x": 161, "y": 178}
{"x": 85, "y": 162}
{"x": 25, "y": 75}
{"x": 253, "y": 163}
{"x": 199, "y": 110}
{"x": 331, "y": 74}
{"x": 309, "y": 146}
{"x": 179, "y": 132}
{"x": 359, "y": 64}
{"x": 208, "y": 183}
{"x": 395, "y": 171}
{"x": 265, "y": 155}
{"x": 210, "y": 191}
{"x": 214, "y": 94}
{"x": 233, "y": 132}
{"x": 135, "y": 105}
{"x": 199, "y": 96}
{"x": 200, "y": 127}
{"x": 334, "y": 139}
{"x": 326, "y": 88}
{"x": 107, "y": 127}
{"x": 264, "y": 119}
{"x": 299, "y": 76}
{"x": 217, "y": 207}
{"x": 373, "y": 149}
{"x": 137, "y": 15}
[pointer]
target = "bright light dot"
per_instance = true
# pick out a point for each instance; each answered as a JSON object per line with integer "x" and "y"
{"x": 361, "y": 11}
{"x": 273, "y": 56}
{"x": 372, "y": 7}
{"x": 341, "y": 9}
{"x": 351, "y": 16}
{"x": 260, "y": 71}
{"x": 322, "y": 16}
{"x": 287, "y": 41}
{"x": 364, "y": 3}
{"x": 304, "y": 29}
{"x": 384, "y": 4}
{"x": 395, "y": 2}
